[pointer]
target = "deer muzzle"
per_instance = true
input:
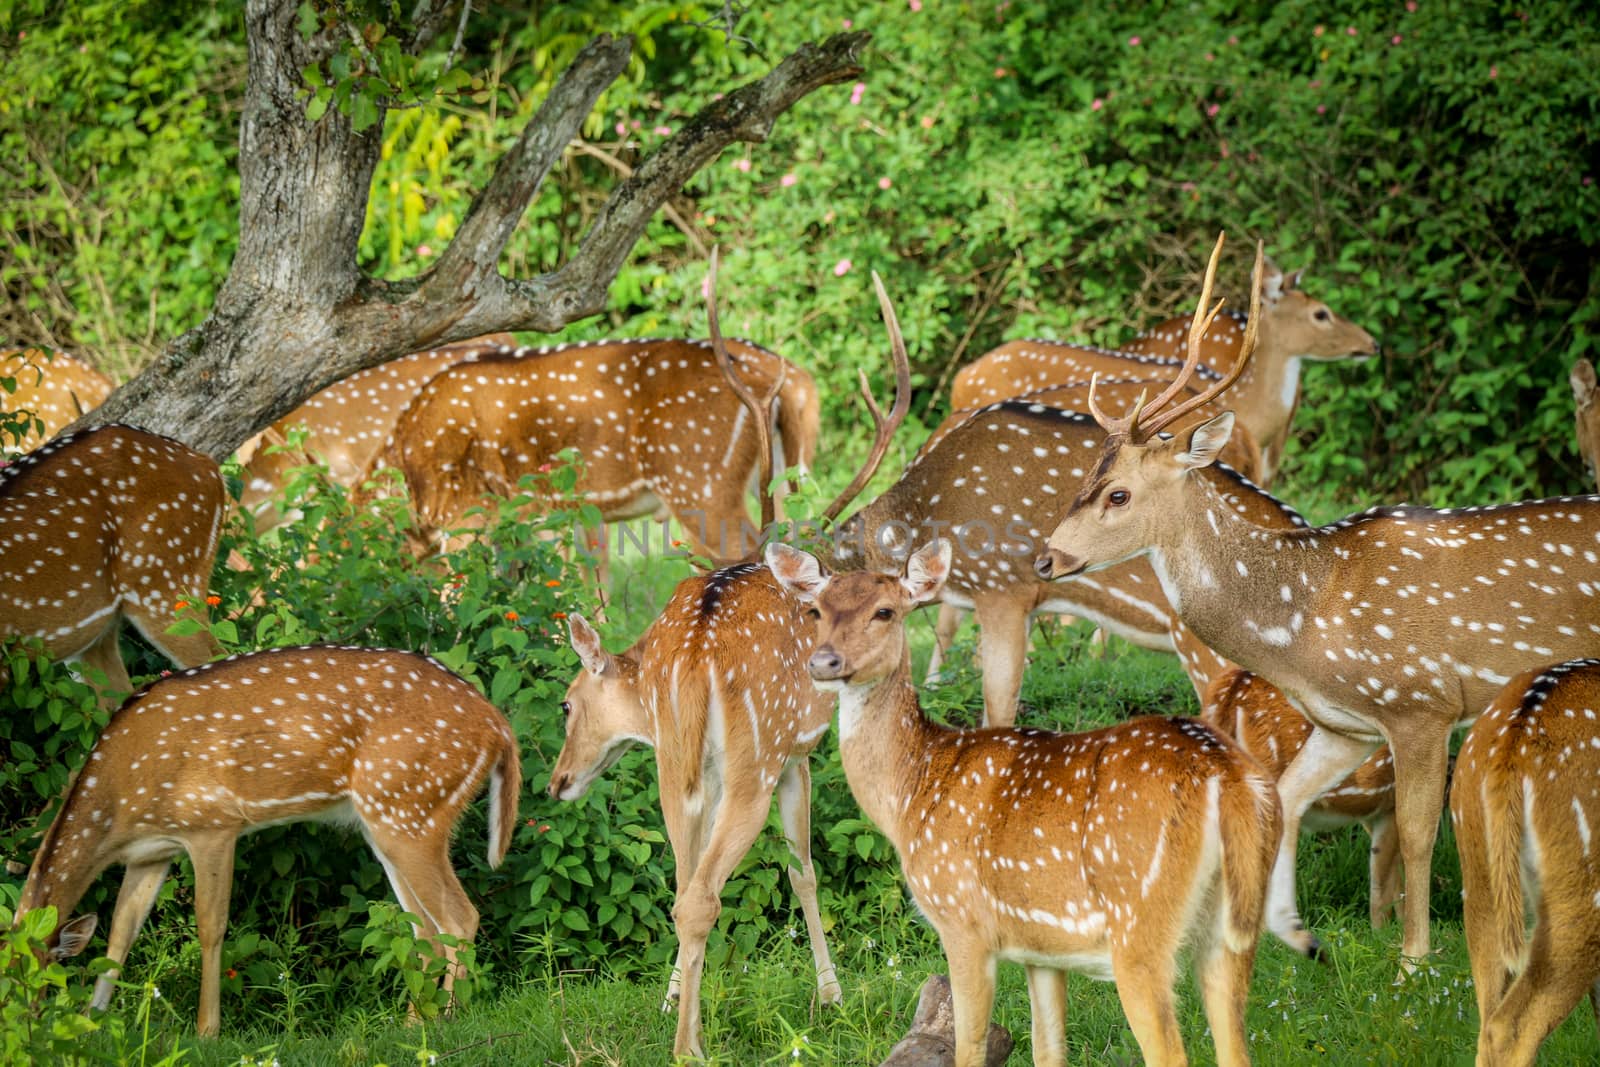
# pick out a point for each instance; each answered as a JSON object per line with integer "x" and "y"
{"x": 1054, "y": 563}
{"x": 826, "y": 665}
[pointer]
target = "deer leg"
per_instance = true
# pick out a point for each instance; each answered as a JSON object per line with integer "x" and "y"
{"x": 426, "y": 885}
{"x": 105, "y": 656}
{"x": 794, "y": 809}
{"x": 1382, "y": 872}
{"x": 1560, "y": 970}
{"x": 1047, "y": 1001}
{"x": 1003, "y": 652}
{"x": 971, "y": 998}
{"x": 213, "y": 886}
{"x": 140, "y": 885}
{"x": 944, "y": 632}
{"x": 1421, "y": 757}
{"x": 1144, "y": 985}
{"x": 739, "y": 819}
{"x": 1324, "y": 761}
{"x": 186, "y": 650}
{"x": 1224, "y": 975}
{"x": 684, "y": 815}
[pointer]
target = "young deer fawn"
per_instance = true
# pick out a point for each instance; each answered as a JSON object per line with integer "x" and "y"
{"x": 1525, "y": 804}
{"x": 389, "y": 742}
{"x": 1103, "y": 852}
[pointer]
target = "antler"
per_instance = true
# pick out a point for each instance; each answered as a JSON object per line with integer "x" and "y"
{"x": 760, "y": 407}
{"x": 1156, "y": 412}
{"x": 885, "y": 428}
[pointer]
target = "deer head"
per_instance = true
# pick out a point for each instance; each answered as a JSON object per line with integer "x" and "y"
{"x": 604, "y": 714}
{"x": 1304, "y": 326}
{"x": 1588, "y": 413}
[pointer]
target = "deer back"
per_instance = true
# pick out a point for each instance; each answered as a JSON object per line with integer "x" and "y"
{"x": 347, "y": 422}
{"x": 101, "y": 520}
{"x": 53, "y": 386}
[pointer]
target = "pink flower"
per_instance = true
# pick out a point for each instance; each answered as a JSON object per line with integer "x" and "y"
{"x": 1211, "y": 57}
{"x": 424, "y": 250}
{"x": 915, "y": 5}
{"x": 1233, "y": 38}
{"x": 1187, "y": 187}
{"x": 1322, "y": 109}
{"x": 999, "y": 72}
{"x": 1314, "y": 83}
{"x": 1097, "y": 104}
{"x": 1212, "y": 109}
{"x": 884, "y": 182}
{"x": 705, "y": 287}
{"x": 742, "y": 164}
{"x": 1351, "y": 30}
{"x": 927, "y": 122}
{"x": 1494, "y": 72}
{"x": 622, "y": 129}
{"x": 1395, "y": 39}
{"x": 663, "y": 131}
{"x": 841, "y": 268}
{"x": 1588, "y": 179}
{"x": 1411, "y": 5}
{"x": 635, "y": 124}
{"x": 1133, "y": 42}
{"x": 855, "y": 93}
{"x": 788, "y": 180}
{"x": 846, "y": 23}
{"x": 1317, "y": 32}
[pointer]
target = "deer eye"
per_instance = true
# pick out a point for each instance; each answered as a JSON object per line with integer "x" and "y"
{"x": 813, "y": 613}
{"x": 1321, "y": 315}
{"x": 883, "y": 614}
{"x": 1118, "y": 498}
{"x": 566, "y": 708}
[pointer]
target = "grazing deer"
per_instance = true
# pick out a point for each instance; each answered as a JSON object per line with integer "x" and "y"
{"x": 1260, "y": 718}
{"x": 1524, "y": 806}
{"x": 388, "y": 741}
{"x": 659, "y": 432}
{"x": 109, "y": 524}
{"x": 1104, "y": 852}
{"x": 1588, "y": 414}
{"x": 1293, "y": 328}
{"x": 345, "y": 424}
{"x": 1392, "y": 626}
{"x": 717, "y": 686}
{"x": 53, "y": 387}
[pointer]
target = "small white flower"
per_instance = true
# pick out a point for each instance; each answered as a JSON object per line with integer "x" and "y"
{"x": 793, "y": 933}
{"x": 155, "y": 993}
{"x": 869, "y": 944}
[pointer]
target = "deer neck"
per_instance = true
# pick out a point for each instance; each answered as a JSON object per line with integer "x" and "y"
{"x": 1245, "y": 590}
{"x": 58, "y": 879}
{"x": 884, "y": 743}
{"x": 1266, "y": 396}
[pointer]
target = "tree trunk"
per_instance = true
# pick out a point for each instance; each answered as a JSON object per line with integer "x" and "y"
{"x": 296, "y": 313}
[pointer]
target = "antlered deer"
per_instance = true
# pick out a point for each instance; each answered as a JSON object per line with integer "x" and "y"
{"x": 1293, "y": 328}
{"x": 659, "y": 432}
{"x": 717, "y": 686}
{"x": 388, "y": 741}
{"x": 1524, "y": 806}
{"x": 345, "y": 424}
{"x": 109, "y": 524}
{"x": 1104, "y": 852}
{"x": 1391, "y": 626}
{"x": 52, "y": 387}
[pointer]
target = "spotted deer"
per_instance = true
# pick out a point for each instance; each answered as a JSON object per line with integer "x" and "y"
{"x": 1294, "y": 328}
{"x": 96, "y": 527}
{"x": 1104, "y": 852}
{"x": 1524, "y": 806}
{"x": 52, "y": 387}
{"x": 1588, "y": 414}
{"x": 1391, "y": 626}
{"x": 389, "y": 742}
{"x": 717, "y": 687}
{"x": 659, "y": 432}
{"x": 344, "y": 424}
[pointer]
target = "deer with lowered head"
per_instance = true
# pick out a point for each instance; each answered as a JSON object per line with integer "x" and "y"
{"x": 717, "y": 687}
{"x": 388, "y": 742}
{"x": 1524, "y": 806}
{"x": 1391, "y": 626}
{"x": 1104, "y": 852}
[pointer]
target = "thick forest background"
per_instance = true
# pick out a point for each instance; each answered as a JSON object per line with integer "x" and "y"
{"x": 1011, "y": 169}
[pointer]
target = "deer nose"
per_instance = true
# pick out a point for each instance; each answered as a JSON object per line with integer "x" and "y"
{"x": 825, "y": 664}
{"x": 557, "y": 784}
{"x": 1054, "y": 563}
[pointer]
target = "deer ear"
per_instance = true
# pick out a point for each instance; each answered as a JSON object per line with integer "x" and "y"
{"x": 74, "y": 937}
{"x": 1583, "y": 382}
{"x": 927, "y": 570}
{"x": 586, "y": 643}
{"x": 1207, "y": 441}
{"x": 797, "y": 571}
{"x": 1272, "y": 282}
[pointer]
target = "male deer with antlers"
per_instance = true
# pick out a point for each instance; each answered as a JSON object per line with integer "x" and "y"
{"x": 1524, "y": 806}
{"x": 109, "y": 524}
{"x": 717, "y": 687}
{"x": 1103, "y": 852}
{"x": 387, "y": 741}
{"x": 345, "y": 424}
{"x": 658, "y": 430}
{"x": 1390, "y": 626}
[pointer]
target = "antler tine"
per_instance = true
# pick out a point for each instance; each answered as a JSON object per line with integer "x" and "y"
{"x": 1124, "y": 424}
{"x": 1199, "y": 322}
{"x": 760, "y": 407}
{"x": 897, "y": 413}
{"x": 1246, "y": 349}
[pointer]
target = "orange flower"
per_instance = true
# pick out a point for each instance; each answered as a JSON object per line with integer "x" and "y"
{"x": 558, "y": 614}
{"x": 512, "y": 616}
{"x": 180, "y": 605}
{"x": 213, "y": 600}
{"x": 552, "y": 583}
{"x": 232, "y": 973}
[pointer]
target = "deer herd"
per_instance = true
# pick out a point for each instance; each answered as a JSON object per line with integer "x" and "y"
{"x": 1331, "y": 663}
